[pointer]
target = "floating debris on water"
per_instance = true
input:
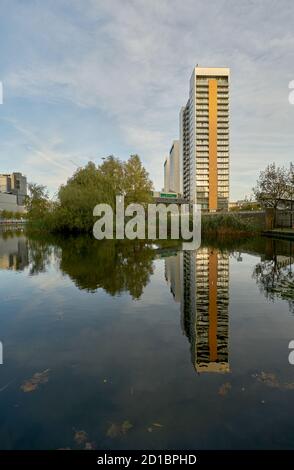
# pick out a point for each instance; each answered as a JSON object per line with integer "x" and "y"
{"x": 116, "y": 429}
{"x": 271, "y": 380}
{"x": 224, "y": 389}
{"x": 38, "y": 378}
{"x": 80, "y": 437}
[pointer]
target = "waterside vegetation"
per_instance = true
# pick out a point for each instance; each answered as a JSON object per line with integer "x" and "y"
{"x": 71, "y": 211}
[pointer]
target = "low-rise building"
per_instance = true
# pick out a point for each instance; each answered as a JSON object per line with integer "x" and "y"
{"x": 16, "y": 184}
{"x": 8, "y": 202}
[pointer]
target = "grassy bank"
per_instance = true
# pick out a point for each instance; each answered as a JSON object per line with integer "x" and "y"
{"x": 213, "y": 226}
{"x": 228, "y": 225}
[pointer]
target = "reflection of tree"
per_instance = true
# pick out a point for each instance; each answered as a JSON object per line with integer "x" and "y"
{"x": 39, "y": 255}
{"x": 114, "y": 266}
{"x": 275, "y": 277}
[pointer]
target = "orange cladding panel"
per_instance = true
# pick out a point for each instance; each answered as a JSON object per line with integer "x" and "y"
{"x": 212, "y": 106}
{"x": 212, "y": 308}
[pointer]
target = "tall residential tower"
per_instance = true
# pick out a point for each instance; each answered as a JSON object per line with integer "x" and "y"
{"x": 204, "y": 139}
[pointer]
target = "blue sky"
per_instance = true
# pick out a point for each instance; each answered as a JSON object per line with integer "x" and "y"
{"x": 84, "y": 79}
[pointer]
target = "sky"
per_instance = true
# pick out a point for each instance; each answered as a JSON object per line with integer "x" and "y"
{"x": 83, "y": 79}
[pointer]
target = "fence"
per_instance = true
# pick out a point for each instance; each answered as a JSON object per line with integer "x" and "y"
{"x": 281, "y": 218}
{"x": 285, "y": 218}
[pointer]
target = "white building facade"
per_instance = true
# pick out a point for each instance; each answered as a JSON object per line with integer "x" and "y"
{"x": 173, "y": 170}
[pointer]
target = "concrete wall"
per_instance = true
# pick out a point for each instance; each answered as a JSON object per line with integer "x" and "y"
{"x": 8, "y": 202}
{"x": 265, "y": 219}
{"x": 281, "y": 218}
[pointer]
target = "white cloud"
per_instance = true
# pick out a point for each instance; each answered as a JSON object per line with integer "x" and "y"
{"x": 132, "y": 61}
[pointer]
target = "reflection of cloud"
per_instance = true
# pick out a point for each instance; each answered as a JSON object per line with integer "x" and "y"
{"x": 47, "y": 282}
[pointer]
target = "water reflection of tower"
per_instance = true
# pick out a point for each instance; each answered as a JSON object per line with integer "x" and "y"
{"x": 173, "y": 274}
{"x": 210, "y": 328}
{"x": 204, "y": 277}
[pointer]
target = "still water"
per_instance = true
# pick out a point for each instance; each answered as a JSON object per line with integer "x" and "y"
{"x": 123, "y": 346}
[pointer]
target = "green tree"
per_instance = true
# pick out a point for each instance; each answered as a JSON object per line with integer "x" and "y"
{"x": 93, "y": 185}
{"x": 77, "y": 199}
{"x": 89, "y": 186}
{"x": 6, "y": 214}
{"x": 137, "y": 184}
{"x": 112, "y": 173}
